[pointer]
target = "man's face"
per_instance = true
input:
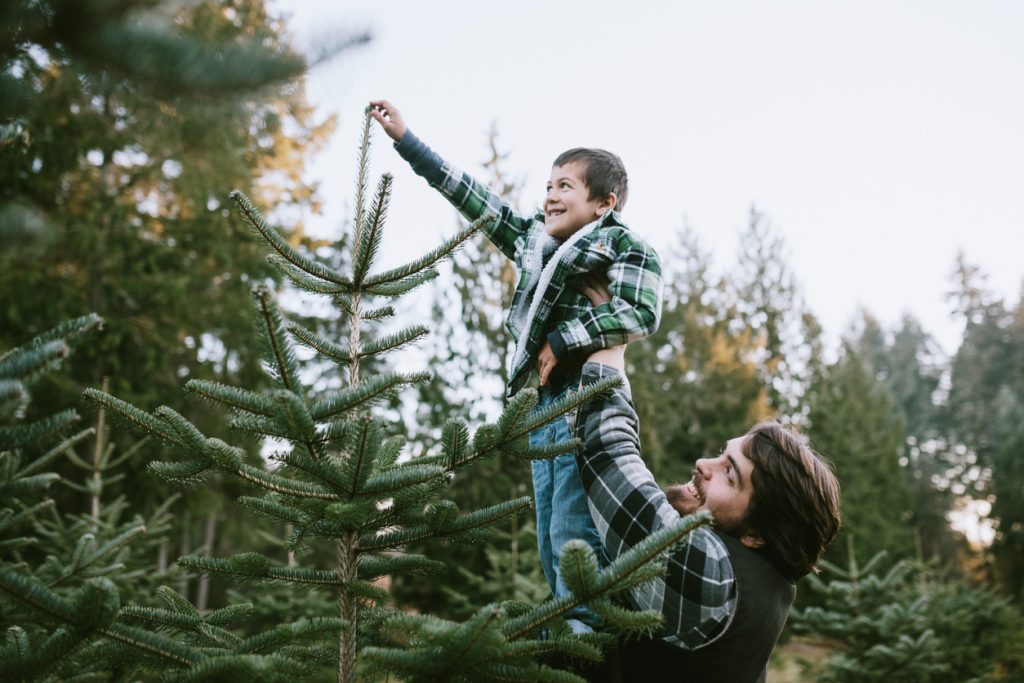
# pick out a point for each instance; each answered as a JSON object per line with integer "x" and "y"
{"x": 722, "y": 485}
{"x": 567, "y": 206}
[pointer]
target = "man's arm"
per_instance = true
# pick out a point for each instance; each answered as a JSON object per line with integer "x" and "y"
{"x": 631, "y": 312}
{"x": 471, "y": 197}
{"x": 697, "y": 595}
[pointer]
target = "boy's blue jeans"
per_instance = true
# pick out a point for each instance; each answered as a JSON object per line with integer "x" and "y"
{"x": 562, "y": 512}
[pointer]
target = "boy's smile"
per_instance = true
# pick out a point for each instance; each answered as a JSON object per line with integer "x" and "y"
{"x": 567, "y": 206}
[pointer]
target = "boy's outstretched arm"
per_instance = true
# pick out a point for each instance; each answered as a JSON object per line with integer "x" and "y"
{"x": 472, "y": 198}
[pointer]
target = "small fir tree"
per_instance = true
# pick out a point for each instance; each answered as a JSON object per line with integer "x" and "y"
{"x": 912, "y": 623}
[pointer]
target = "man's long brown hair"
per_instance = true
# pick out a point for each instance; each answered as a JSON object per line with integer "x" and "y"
{"x": 794, "y": 508}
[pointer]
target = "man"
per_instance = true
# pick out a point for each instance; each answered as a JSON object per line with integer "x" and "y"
{"x": 727, "y": 590}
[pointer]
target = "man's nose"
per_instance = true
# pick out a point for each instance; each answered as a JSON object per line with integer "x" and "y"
{"x": 703, "y": 467}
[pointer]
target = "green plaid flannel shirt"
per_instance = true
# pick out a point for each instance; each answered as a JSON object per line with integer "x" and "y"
{"x": 547, "y": 306}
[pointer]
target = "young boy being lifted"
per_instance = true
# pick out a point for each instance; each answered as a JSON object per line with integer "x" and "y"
{"x": 577, "y": 241}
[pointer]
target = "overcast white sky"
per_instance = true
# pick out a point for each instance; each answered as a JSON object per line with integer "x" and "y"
{"x": 880, "y": 137}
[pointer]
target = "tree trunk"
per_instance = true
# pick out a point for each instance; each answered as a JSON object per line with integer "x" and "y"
{"x": 209, "y": 537}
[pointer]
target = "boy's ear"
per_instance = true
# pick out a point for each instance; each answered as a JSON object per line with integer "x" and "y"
{"x": 607, "y": 204}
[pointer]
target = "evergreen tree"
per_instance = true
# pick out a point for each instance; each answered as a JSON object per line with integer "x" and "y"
{"x": 909, "y": 366}
{"x": 131, "y": 115}
{"x": 769, "y": 308}
{"x": 63, "y": 575}
{"x": 852, "y": 423}
{"x": 911, "y": 623}
{"x": 340, "y": 480}
{"x": 985, "y": 408}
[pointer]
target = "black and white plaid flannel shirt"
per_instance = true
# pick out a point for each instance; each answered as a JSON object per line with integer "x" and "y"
{"x": 697, "y": 595}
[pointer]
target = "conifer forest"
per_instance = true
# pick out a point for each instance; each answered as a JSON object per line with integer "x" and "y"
{"x": 232, "y": 449}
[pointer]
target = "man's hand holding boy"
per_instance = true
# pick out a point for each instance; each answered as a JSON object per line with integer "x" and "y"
{"x": 389, "y": 118}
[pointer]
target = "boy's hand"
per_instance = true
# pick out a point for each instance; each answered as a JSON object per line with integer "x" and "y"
{"x": 594, "y": 286}
{"x": 614, "y": 357}
{"x": 546, "y": 362}
{"x": 389, "y": 118}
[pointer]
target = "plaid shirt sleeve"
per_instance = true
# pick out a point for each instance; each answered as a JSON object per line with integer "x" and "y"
{"x": 697, "y": 595}
{"x": 472, "y": 198}
{"x": 634, "y": 312}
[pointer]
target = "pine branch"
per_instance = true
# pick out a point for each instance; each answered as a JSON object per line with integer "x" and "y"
{"x": 358, "y": 466}
{"x": 403, "y": 286}
{"x": 25, "y": 486}
{"x": 231, "y": 397}
{"x": 544, "y": 451}
{"x": 277, "y": 511}
{"x": 388, "y": 453}
{"x": 135, "y": 417}
{"x": 292, "y": 413}
{"x": 362, "y": 394}
{"x": 87, "y": 554}
{"x": 14, "y": 398}
{"x": 626, "y": 572}
{"x": 92, "y": 609}
{"x": 301, "y": 629}
{"x": 9, "y": 519}
{"x": 240, "y": 612}
{"x": 278, "y": 243}
{"x": 66, "y": 331}
{"x": 373, "y": 566}
{"x": 464, "y": 524}
{"x": 304, "y": 280}
{"x": 394, "y": 341}
{"x": 368, "y": 242}
{"x": 326, "y": 470}
{"x": 363, "y": 169}
{"x": 346, "y": 304}
{"x": 38, "y": 431}
{"x": 28, "y": 363}
{"x": 402, "y": 272}
{"x": 290, "y": 487}
{"x": 257, "y": 568}
{"x": 281, "y": 355}
{"x": 243, "y": 668}
{"x": 64, "y": 446}
{"x": 336, "y": 352}
{"x": 403, "y": 477}
{"x": 188, "y": 473}
{"x": 454, "y": 441}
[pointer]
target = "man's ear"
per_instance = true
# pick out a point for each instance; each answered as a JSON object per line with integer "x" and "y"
{"x": 752, "y": 541}
{"x": 607, "y": 204}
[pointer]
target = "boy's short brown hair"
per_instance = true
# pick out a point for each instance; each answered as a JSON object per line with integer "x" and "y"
{"x": 605, "y": 172}
{"x": 795, "y": 504}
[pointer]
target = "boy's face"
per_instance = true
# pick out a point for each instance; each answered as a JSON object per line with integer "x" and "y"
{"x": 567, "y": 206}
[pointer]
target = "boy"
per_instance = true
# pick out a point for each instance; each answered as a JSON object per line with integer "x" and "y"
{"x": 578, "y": 237}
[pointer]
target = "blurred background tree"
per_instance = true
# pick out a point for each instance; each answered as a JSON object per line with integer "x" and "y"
{"x": 124, "y": 125}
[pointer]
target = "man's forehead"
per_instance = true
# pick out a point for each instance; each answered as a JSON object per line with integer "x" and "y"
{"x": 734, "y": 448}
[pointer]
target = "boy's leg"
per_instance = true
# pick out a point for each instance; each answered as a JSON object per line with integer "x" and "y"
{"x": 543, "y": 490}
{"x": 570, "y": 518}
